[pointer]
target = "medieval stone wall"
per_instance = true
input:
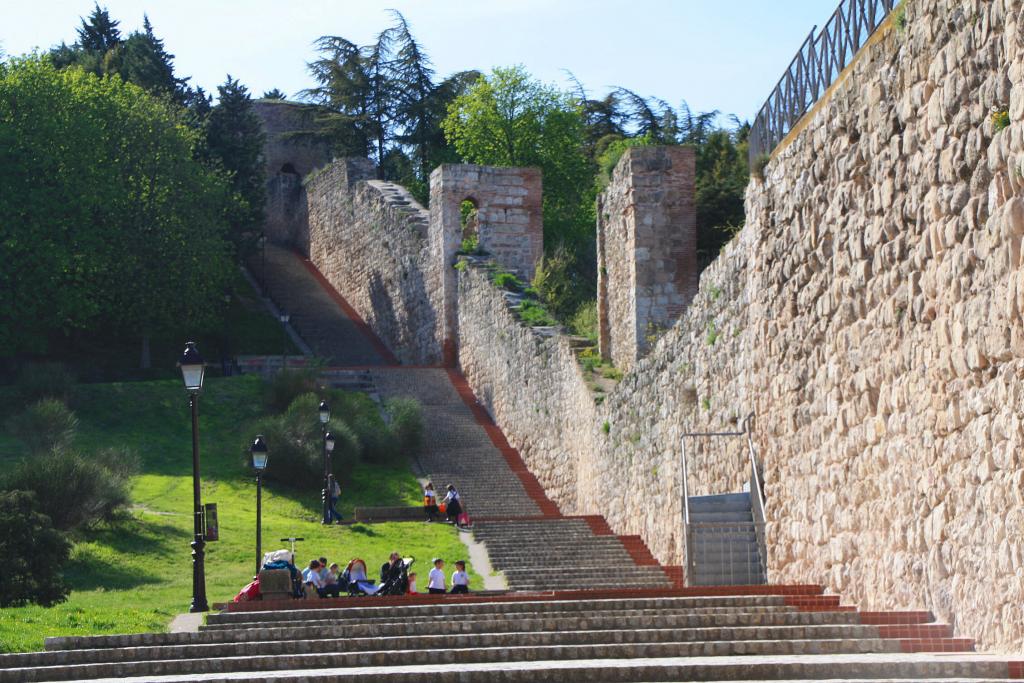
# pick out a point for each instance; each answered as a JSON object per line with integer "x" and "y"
{"x": 647, "y": 249}
{"x": 370, "y": 240}
{"x": 870, "y": 312}
{"x": 291, "y": 151}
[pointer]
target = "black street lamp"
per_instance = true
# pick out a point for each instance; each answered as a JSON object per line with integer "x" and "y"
{"x": 325, "y": 416}
{"x": 192, "y": 369}
{"x": 260, "y": 458}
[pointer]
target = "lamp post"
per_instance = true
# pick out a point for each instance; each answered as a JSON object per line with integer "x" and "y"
{"x": 192, "y": 369}
{"x": 325, "y": 416}
{"x": 284, "y": 318}
{"x": 260, "y": 458}
{"x": 263, "y": 268}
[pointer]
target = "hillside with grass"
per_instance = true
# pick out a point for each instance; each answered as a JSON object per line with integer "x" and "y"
{"x": 134, "y": 574}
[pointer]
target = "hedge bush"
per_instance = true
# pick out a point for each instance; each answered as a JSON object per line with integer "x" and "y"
{"x": 34, "y": 553}
{"x": 73, "y": 489}
{"x": 45, "y": 426}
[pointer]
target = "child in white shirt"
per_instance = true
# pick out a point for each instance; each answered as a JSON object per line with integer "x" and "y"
{"x": 460, "y": 579}
{"x": 437, "y": 578}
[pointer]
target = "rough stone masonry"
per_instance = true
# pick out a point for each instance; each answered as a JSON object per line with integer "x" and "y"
{"x": 871, "y": 313}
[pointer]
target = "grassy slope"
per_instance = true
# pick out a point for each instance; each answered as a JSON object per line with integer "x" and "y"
{"x": 136, "y": 576}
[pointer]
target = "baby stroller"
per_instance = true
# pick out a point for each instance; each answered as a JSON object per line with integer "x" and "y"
{"x": 355, "y": 578}
{"x": 398, "y": 583}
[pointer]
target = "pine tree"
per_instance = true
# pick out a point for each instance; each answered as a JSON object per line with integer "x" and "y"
{"x": 99, "y": 32}
{"x": 145, "y": 62}
{"x": 274, "y": 94}
{"x": 234, "y": 135}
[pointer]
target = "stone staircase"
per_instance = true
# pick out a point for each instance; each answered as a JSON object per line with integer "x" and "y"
{"x": 315, "y": 311}
{"x": 564, "y": 554}
{"x": 723, "y": 541}
{"x": 785, "y": 633}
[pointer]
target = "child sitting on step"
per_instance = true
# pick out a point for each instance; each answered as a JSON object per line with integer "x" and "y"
{"x": 460, "y": 579}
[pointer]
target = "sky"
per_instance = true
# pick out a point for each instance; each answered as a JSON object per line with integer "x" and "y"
{"x": 715, "y": 55}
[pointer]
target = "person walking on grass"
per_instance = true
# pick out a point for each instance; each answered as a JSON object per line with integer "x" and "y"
{"x": 453, "y": 505}
{"x": 333, "y": 494}
{"x": 460, "y": 579}
{"x": 437, "y": 578}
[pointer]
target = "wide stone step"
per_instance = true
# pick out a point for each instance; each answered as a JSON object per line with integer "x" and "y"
{"x": 712, "y": 617}
{"x": 862, "y": 668}
{"x": 509, "y": 607}
{"x": 693, "y": 618}
{"x": 635, "y": 644}
{"x": 438, "y": 639}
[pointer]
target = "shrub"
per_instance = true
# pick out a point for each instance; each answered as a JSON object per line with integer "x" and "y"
{"x": 606, "y": 427}
{"x": 609, "y": 158}
{"x": 507, "y": 281}
{"x": 1000, "y": 120}
{"x": 559, "y": 283}
{"x": 285, "y": 386}
{"x": 406, "y": 424}
{"x": 760, "y": 164}
{"x": 470, "y": 245}
{"x": 590, "y": 359}
{"x": 899, "y": 17}
{"x": 584, "y": 321}
{"x": 535, "y": 315}
{"x": 37, "y": 381}
{"x": 45, "y": 426}
{"x": 712, "y": 335}
{"x": 76, "y": 490}
{"x": 611, "y": 373}
{"x": 33, "y": 551}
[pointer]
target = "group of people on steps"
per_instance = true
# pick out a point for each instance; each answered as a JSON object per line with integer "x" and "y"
{"x": 451, "y": 504}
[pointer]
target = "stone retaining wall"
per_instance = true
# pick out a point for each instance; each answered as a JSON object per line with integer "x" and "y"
{"x": 870, "y": 312}
{"x": 370, "y": 240}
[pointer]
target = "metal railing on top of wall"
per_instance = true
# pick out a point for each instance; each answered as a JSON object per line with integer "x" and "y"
{"x": 817, "y": 64}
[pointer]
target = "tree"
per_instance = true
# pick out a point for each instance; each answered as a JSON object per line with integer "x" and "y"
{"x": 234, "y": 135}
{"x": 145, "y": 62}
{"x": 274, "y": 94}
{"x": 381, "y": 101}
{"x": 509, "y": 119}
{"x": 99, "y": 32}
{"x": 126, "y": 234}
{"x": 33, "y": 553}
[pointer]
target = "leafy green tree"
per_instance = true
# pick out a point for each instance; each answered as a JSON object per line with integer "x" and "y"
{"x": 234, "y": 136}
{"x": 508, "y": 119}
{"x": 126, "y": 234}
{"x": 33, "y": 552}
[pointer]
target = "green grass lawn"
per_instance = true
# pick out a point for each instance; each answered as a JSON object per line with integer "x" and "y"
{"x": 135, "y": 576}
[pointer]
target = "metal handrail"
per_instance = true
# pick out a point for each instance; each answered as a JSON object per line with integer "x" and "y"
{"x": 756, "y": 495}
{"x": 815, "y": 67}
